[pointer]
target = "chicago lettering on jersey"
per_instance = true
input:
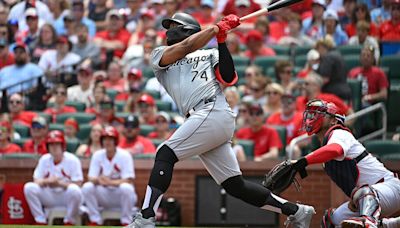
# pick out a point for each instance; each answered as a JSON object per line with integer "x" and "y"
{"x": 191, "y": 60}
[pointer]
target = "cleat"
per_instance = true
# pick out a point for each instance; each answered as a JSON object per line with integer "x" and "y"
{"x": 140, "y": 222}
{"x": 302, "y": 218}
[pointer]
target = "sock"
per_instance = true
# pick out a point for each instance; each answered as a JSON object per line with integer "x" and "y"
{"x": 280, "y": 205}
{"x": 151, "y": 202}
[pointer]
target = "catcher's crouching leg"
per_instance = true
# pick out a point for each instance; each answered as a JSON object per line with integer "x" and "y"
{"x": 326, "y": 221}
{"x": 257, "y": 195}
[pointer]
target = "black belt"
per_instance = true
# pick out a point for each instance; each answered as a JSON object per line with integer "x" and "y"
{"x": 361, "y": 156}
{"x": 202, "y": 101}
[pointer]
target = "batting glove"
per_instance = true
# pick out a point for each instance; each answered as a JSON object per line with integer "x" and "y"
{"x": 227, "y": 23}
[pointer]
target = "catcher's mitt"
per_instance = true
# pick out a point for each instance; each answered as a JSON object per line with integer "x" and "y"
{"x": 281, "y": 177}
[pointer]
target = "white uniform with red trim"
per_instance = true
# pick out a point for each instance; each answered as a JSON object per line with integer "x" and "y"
{"x": 193, "y": 84}
{"x": 68, "y": 170}
{"x": 371, "y": 172}
{"x": 122, "y": 198}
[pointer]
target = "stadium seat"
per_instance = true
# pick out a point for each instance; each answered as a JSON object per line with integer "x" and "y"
{"x": 154, "y": 93}
{"x": 80, "y": 117}
{"x": 302, "y": 50}
{"x": 145, "y": 129}
{"x": 355, "y": 86}
{"x": 111, "y": 93}
{"x": 56, "y": 126}
{"x": 122, "y": 115}
{"x": 148, "y": 72}
{"x": 157, "y": 142}
{"x": 119, "y": 105}
{"x": 393, "y": 63}
{"x": 48, "y": 117}
{"x": 280, "y": 49}
{"x": 20, "y": 156}
{"x": 351, "y": 61}
{"x": 240, "y": 60}
{"x": 282, "y": 135}
{"x": 240, "y": 70}
{"x": 80, "y": 106}
{"x": 144, "y": 156}
{"x": 22, "y": 130}
{"x": 20, "y": 142}
{"x": 248, "y": 147}
{"x": 72, "y": 145}
{"x": 382, "y": 148}
{"x": 392, "y": 106}
{"x": 300, "y": 60}
{"x": 268, "y": 61}
{"x": 349, "y": 49}
{"x": 84, "y": 132}
{"x": 163, "y": 106}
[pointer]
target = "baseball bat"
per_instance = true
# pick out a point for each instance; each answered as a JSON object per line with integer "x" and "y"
{"x": 274, "y": 6}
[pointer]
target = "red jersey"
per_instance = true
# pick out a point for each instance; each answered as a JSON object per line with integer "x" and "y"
{"x": 301, "y": 102}
{"x": 264, "y": 139}
{"x": 293, "y": 125}
{"x": 141, "y": 145}
{"x": 278, "y": 29}
{"x": 376, "y": 78}
{"x": 122, "y": 35}
{"x": 53, "y": 112}
{"x": 351, "y": 30}
{"x": 10, "y": 148}
{"x": 29, "y": 147}
{"x": 7, "y": 61}
{"x": 23, "y": 118}
{"x": 118, "y": 86}
{"x": 154, "y": 135}
{"x": 389, "y": 31}
{"x": 265, "y": 51}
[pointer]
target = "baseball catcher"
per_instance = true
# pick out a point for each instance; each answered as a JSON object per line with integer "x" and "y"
{"x": 374, "y": 191}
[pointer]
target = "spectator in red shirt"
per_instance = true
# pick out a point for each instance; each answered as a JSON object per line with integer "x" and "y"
{"x": 132, "y": 141}
{"x": 37, "y": 144}
{"x": 163, "y": 120}
{"x": 288, "y": 117}
{"x": 374, "y": 81}
{"x": 93, "y": 145}
{"x": 312, "y": 89}
{"x": 361, "y": 13}
{"x": 241, "y": 8}
{"x": 6, "y": 147}
{"x": 390, "y": 29}
{"x": 147, "y": 109}
{"x": 115, "y": 80}
{"x": 114, "y": 40}
{"x": 59, "y": 107}
{"x": 255, "y": 46}
{"x": 266, "y": 140}
{"x": 16, "y": 107}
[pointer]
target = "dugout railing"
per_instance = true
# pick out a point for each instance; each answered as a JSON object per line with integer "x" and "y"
{"x": 382, "y": 131}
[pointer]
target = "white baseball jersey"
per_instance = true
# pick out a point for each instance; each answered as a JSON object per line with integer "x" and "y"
{"x": 189, "y": 79}
{"x": 119, "y": 167}
{"x": 370, "y": 169}
{"x": 69, "y": 169}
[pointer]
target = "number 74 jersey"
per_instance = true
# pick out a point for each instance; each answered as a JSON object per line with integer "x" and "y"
{"x": 189, "y": 79}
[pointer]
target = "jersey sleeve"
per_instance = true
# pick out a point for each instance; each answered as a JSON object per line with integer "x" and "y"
{"x": 344, "y": 139}
{"x": 214, "y": 57}
{"x": 127, "y": 171}
{"x": 76, "y": 174}
{"x": 155, "y": 58}
{"x": 94, "y": 167}
{"x": 40, "y": 169}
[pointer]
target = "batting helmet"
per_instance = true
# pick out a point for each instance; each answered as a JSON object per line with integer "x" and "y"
{"x": 187, "y": 27}
{"x": 315, "y": 112}
{"x": 56, "y": 136}
{"x": 110, "y": 131}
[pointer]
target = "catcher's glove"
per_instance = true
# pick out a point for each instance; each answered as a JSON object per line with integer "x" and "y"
{"x": 282, "y": 176}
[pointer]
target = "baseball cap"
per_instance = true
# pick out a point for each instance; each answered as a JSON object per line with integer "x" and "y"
{"x": 312, "y": 55}
{"x": 137, "y": 73}
{"x": 85, "y": 67}
{"x": 39, "y": 122}
{"x": 209, "y": 3}
{"x": 131, "y": 121}
{"x": 164, "y": 115}
{"x": 245, "y": 3}
{"x": 68, "y": 16}
{"x": 145, "y": 98}
{"x": 114, "y": 13}
{"x": 31, "y": 12}
{"x": 72, "y": 122}
{"x": 256, "y": 109}
{"x": 319, "y": 2}
{"x": 22, "y": 46}
{"x": 253, "y": 35}
{"x": 147, "y": 13}
{"x": 330, "y": 14}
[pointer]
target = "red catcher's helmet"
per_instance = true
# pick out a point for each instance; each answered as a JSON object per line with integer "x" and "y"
{"x": 110, "y": 131}
{"x": 56, "y": 136}
{"x": 315, "y": 112}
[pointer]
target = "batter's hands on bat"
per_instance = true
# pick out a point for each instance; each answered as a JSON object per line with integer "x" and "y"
{"x": 227, "y": 23}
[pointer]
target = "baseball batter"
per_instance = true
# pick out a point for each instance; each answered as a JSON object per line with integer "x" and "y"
{"x": 110, "y": 185}
{"x": 193, "y": 78}
{"x": 373, "y": 189}
{"x": 57, "y": 178}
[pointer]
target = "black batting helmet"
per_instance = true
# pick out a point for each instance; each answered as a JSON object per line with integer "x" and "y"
{"x": 183, "y": 19}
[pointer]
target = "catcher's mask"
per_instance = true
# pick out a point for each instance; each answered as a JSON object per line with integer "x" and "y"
{"x": 187, "y": 27}
{"x": 314, "y": 114}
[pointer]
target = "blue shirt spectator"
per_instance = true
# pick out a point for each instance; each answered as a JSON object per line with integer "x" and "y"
{"x": 381, "y": 14}
{"x": 20, "y": 73}
{"x": 332, "y": 27}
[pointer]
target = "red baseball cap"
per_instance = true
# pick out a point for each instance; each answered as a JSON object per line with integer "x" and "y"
{"x": 137, "y": 73}
{"x": 145, "y": 98}
{"x": 72, "y": 122}
{"x": 254, "y": 35}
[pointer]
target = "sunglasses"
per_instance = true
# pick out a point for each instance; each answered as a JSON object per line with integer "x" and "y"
{"x": 15, "y": 102}
{"x": 272, "y": 93}
{"x": 256, "y": 89}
